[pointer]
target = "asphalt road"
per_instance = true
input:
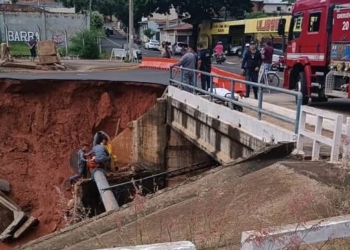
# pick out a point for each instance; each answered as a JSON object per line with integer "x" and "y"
{"x": 136, "y": 75}
{"x": 117, "y": 41}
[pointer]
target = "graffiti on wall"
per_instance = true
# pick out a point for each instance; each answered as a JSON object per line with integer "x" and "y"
{"x": 59, "y": 39}
{"x": 21, "y": 36}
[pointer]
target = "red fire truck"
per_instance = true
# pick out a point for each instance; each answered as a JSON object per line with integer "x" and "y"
{"x": 318, "y": 49}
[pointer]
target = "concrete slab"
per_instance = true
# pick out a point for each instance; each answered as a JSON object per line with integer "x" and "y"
{"x": 180, "y": 245}
{"x": 263, "y": 130}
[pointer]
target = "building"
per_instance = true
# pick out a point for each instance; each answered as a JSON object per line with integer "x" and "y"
{"x": 181, "y": 32}
{"x": 272, "y": 6}
{"x": 156, "y": 22}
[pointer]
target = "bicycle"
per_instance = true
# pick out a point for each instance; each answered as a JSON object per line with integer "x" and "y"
{"x": 268, "y": 78}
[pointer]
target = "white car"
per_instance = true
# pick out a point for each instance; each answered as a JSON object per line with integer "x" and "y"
{"x": 152, "y": 44}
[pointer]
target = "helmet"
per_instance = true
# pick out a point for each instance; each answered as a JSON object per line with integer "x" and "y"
{"x": 219, "y": 42}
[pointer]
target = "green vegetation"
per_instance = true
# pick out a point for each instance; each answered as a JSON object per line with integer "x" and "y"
{"x": 96, "y": 20}
{"x": 149, "y": 33}
{"x": 19, "y": 49}
{"x": 85, "y": 44}
{"x": 193, "y": 12}
{"x": 253, "y": 15}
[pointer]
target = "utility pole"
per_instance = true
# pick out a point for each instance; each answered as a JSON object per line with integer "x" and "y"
{"x": 131, "y": 29}
{"x": 90, "y": 10}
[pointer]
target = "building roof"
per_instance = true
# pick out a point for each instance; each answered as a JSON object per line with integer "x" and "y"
{"x": 185, "y": 26}
{"x": 20, "y": 8}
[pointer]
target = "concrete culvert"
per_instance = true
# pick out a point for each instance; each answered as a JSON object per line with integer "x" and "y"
{"x": 43, "y": 122}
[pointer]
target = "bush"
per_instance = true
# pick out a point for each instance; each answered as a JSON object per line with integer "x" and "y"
{"x": 85, "y": 44}
{"x": 96, "y": 21}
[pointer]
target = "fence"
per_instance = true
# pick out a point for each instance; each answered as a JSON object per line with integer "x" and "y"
{"x": 44, "y": 25}
{"x": 316, "y": 136}
{"x": 191, "y": 85}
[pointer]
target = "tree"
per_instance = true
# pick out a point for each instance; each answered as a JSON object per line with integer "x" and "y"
{"x": 196, "y": 11}
{"x": 149, "y": 33}
{"x": 190, "y": 11}
{"x": 96, "y": 20}
{"x": 85, "y": 44}
{"x": 142, "y": 8}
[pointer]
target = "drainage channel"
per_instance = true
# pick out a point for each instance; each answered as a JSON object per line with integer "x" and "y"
{"x": 105, "y": 192}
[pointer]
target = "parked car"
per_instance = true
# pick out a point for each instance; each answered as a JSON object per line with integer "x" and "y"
{"x": 235, "y": 50}
{"x": 136, "y": 51}
{"x": 179, "y": 48}
{"x": 152, "y": 44}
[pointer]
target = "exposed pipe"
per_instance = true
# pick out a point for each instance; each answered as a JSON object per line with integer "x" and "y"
{"x": 107, "y": 196}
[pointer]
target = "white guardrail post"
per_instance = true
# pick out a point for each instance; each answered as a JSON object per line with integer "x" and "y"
{"x": 118, "y": 53}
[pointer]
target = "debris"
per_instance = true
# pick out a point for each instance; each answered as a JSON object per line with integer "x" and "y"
{"x": 31, "y": 222}
{"x": 12, "y": 227}
{"x": 47, "y": 53}
{"x": 4, "y": 186}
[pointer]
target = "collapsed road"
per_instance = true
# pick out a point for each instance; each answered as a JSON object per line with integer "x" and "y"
{"x": 42, "y": 122}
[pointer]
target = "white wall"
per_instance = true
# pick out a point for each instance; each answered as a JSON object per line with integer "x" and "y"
{"x": 272, "y": 8}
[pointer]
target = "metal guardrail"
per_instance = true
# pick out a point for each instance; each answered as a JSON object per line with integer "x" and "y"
{"x": 232, "y": 100}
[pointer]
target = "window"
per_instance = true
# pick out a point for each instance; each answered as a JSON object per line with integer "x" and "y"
{"x": 295, "y": 26}
{"x": 314, "y": 22}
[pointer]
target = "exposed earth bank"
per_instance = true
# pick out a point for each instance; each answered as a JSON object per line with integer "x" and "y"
{"x": 43, "y": 122}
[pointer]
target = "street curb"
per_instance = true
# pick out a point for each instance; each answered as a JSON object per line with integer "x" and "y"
{"x": 115, "y": 69}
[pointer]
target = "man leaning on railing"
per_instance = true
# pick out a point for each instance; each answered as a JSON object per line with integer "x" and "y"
{"x": 188, "y": 61}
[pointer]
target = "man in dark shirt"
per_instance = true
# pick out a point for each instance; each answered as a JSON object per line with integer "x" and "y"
{"x": 267, "y": 55}
{"x": 82, "y": 167}
{"x": 204, "y": 64}
{"x": 250, "y": 67}
{"x": 32, "y": 47}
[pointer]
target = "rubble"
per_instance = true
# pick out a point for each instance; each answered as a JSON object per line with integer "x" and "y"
{"x": 49, "y": 58}
{"x": 13, "y": 221}
{"x": 48, "y": 55}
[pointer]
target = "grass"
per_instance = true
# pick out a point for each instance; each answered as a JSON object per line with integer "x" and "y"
{"x": 19, "y": 49}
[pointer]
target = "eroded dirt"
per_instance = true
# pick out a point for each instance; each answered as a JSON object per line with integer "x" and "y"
{"x": 43, "y": 122}
{"x": 213, "y": 210}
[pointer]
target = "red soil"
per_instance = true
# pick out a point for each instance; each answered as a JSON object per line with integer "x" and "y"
{"x": 43, "y": 122}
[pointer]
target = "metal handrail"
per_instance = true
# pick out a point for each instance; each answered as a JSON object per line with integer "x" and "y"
{"x": 232, "y": 101}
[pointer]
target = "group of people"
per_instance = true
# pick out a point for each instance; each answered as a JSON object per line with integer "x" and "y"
{"x": 201, "y": 61}
{"x": 98, "y": 156}
{"x": 252, "y": 60}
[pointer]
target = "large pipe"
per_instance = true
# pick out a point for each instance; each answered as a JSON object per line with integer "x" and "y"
{"x": 107, "y": 196}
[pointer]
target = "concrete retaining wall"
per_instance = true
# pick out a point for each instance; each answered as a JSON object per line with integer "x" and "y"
{"x": 22, "y": 26}
{"x": 144, "y": 140}
{"x": 261, "y": 129}
{"x": 223, "y": 133}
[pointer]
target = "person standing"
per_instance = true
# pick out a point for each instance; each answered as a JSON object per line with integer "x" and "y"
{"x": 188, "y": 61}
{"x": 32, "y": 47}
{"x": 267, "y": 55}
{"x": 204, "y": 64}
{"x": 250, "y": 67}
